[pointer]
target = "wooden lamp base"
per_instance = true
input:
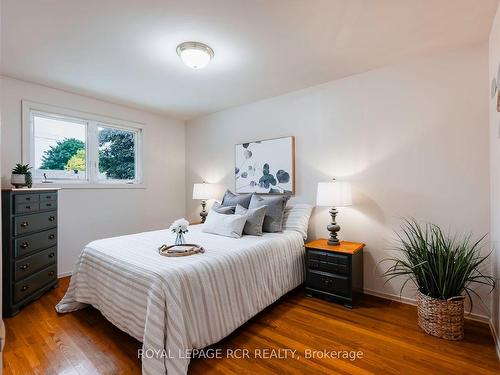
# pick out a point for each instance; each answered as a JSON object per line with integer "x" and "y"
{"x": 333, "y": 227}
{"x": 203, "y": 213}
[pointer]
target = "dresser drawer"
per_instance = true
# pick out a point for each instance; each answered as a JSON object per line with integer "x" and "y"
{"x": 26, "y": 207}
{"x": 48, "y": 197}
{"x": 33, "y": 263}
{"x": 28, "y": 286}
{"x": 34, "y": 222}
{"x": 329, "y": 267}
{"x": 28, "y": 244}
{"x": 26, "y": 198}
{"x": 326, "y": 282}
{"x": 48, "y": 205}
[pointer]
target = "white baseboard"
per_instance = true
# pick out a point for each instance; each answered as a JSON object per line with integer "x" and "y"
{"x": 63, "y": 274}
{"x": 411, "y": 301}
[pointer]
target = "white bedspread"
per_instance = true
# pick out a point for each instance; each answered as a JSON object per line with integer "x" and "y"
{"x": 177, "y": 304}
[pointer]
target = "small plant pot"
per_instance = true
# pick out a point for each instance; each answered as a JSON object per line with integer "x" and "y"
{"x": 18, "y": 180}
{"x": 441, "y": 318}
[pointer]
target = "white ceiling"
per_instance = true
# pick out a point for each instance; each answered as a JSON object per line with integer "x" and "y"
{"x": 124, "y": 50}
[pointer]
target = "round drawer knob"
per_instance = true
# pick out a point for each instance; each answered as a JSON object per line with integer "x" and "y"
{"x": 52, "y": 236}
{"x": 24, "y": 224}
{"x": 52, "y": 218}
{"x": 52, "y": 255}
{"x": 51, "y": 273}
{"x": 25, "y": 288}
{"x": 24, "y": 267}
{"x": 25, "y": 245}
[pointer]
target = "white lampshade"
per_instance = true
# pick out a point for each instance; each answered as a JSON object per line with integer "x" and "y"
{"x": 203, "y": 191}
{"x": 334, "y": 194}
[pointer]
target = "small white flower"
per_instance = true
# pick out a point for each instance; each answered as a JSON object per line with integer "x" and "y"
{"x": 179, "y": 226}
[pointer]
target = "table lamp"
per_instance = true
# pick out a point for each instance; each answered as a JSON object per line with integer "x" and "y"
{"x": 204, "y": 192}
{"x": 334, "y": 194}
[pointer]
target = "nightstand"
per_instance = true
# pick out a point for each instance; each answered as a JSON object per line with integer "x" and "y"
{"x": 334, "y": 272}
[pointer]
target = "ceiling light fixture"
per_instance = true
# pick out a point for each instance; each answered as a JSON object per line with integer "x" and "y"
{"x": 194, "y": 54}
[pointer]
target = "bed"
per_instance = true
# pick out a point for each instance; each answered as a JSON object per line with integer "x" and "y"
{"x": 173, "y": 305}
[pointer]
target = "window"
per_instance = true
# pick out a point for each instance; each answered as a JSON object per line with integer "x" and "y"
{"x": 117, "y": 153}
{"x": 60, "y": 147}
{"x": 66, "y": 146}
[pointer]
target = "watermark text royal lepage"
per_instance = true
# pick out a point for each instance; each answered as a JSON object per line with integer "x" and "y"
{"x": 260, "y": 353}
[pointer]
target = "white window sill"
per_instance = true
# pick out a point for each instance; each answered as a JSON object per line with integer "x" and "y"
{"x": 82, "y": 185}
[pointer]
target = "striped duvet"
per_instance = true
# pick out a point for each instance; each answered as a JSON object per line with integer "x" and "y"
{"x": 176, "y": 304}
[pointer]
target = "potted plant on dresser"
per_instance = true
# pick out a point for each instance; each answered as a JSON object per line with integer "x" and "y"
{"x": 444, "y": 269}
{"x": 21, "y": 176}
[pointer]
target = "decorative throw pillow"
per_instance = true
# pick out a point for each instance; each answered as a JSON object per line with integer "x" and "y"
{"x": 255, "y": 219}
{"x": 224, "y": 225}
{"x": 226, "y": 210}
{"x": 296, "y": 217}
{"x": 231, "y": 199}
{"x": 275, "y": 205}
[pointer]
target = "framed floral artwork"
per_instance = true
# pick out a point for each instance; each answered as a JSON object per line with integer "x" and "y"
{"x": 265, "y": 167}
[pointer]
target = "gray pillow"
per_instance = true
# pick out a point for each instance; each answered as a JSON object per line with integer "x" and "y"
{"x": 226, "y": 210}
{"x": 255, "y": 219}
{"x": 275, "y": 206}
{"x": 231, "y": 199}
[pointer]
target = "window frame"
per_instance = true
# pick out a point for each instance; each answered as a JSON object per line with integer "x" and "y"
{"x": 92, "y": 123}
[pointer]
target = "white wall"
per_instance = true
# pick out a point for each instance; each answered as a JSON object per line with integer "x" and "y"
{"x": 494, "y": 60}
{"x": 412, "y": 139}
{"x": 89, "y": 214}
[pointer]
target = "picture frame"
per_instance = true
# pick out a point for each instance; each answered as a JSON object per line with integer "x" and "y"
{"x": 265, "y": 166}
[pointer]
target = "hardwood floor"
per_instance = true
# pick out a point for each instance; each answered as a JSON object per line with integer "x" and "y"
{"x": 39, "y": 341}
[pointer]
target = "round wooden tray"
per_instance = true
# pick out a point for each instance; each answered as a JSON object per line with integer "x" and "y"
{"x": 190, "y": 249}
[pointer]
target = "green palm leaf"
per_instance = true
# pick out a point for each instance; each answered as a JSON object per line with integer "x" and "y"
{"x": 441, "y": 266}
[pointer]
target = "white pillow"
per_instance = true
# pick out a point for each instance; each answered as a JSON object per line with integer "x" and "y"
{"x": 224, "y": 225}
{"x": 296, "y": 218}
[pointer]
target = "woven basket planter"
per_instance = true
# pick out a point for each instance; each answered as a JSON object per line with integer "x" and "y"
{"x": 440, "y": 318}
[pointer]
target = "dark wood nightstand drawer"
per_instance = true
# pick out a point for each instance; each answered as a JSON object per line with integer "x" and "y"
{"x": 329, "y": 267}
{"x": 328, "y": 257}
{"x": 337, "y": 258}
{"x": 330, "y": 283}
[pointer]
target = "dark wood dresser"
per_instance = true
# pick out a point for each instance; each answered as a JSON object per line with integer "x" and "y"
{"x": 29, "y": 245}
{"x": 334, "y": 272}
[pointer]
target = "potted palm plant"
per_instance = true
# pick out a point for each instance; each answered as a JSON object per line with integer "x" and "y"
{"x": 444, "y": 269}
{"x": 21, "y": 176}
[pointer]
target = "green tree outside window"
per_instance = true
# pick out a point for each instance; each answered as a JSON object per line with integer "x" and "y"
{"x": 117, "y": 154}
{"x": 77, "y": 161}
{"x": 56, "y": 157}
